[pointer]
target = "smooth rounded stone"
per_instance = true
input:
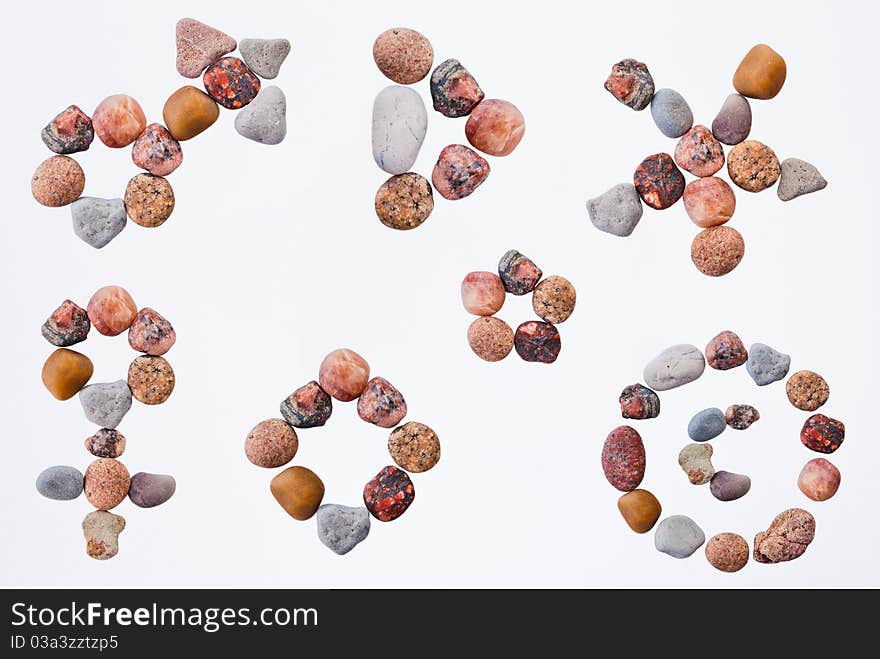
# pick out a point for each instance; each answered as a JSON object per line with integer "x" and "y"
{"x": 818, "y": 480}
{"x": 766, "y": 365}
{"x": 265, "y": 119}
{"x": 307, "y": 407}
{"x": 761, "y": 73}
{"x": 60, "y": 483}
{"x": 151, "y": 333}
{"x": 70, "y": 131}
{"x": 495, "y": 127}
{"x": 106, "y": 443}
{"x": 518, "y": 273}
{"x": 118, "y": 120}
{"x": 264, "y": 56}
{"x": 823, "y": 434}
{"x": 66, "y": 372}
{"x": 106, "y": 483}
{"x": 616, "y": 211}
{"x": 151, "y": 379}
{"x": 788, "y": 537}
{"x": 188, "y": 112}
{"x": 706, "y": 425}
{"x": 639, "y": 402}
{"x": 106, "y": 403}
{"x": 299, "y": 491}
{"x": 98, "y": 221}
{"x": 381, "y": 403}
{"x": 414, "y": 447}
{"x": 101, "y": 530}
{"x": 344, "y": 374}
{"x": 58, "y": 181}
{"x": 458, "y": 172}
{"x": 807, "y": 391}
{"x": 678, "y": 536}
{"x": 490, "y": 338}
{"x": 623, "y": 458}
{"x": 671, "y": 113}
{"x": 699, "y": 153}
{"x": 658, "y": 181}
{"x": 798, "y": 177}
{"x": 727, "y": 552}
{"x": 753, "y": 166}
{"x": 740, "y": 417}
{"x": 631, "y": 83}
{"x": 727, "y": 486}
{"x": 535, "y": 341}
{"x": 149, "y": 200}
{"x": 709, "y": 201}
{"x": 157, "y": 151}
{"x": 404, "y": 202}
{"x": 733, "y": 123}
{"x": 554, "y": 299}
{"x": 403, "y": 55}
{"x": 271, "y": 443}
{"x": 717, "y": 251}
{"x": 454, "y": 90}
{"x": 69, "y": 324}
{"x": 231, "y": 83}
{"x": 696, "y": 461}
{"x": 400, "y": 123}
{"x": 151, "y": 490}
{"x": 388, "y": 494}
{"x": 342, "y": 528}
{"x": 482, "y": 293}
{"x": 198, "y": 46}
{"x": 676, "y": 366}
{"x": 640, "y": 509}
{"x": 726, "y": 351}
{"x": 111, "y": 310}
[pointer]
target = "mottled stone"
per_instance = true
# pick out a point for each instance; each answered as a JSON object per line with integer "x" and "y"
{"x": 454, "y": 90}
{"x": 198, "y": 46}
{"x": 678, "y": 536}
{"x": 66, "y": 372}
{"x": 482, "y": 293}
{"x": 518, "y": 273}
{"x": 819, "y": 479}
{"x": 726, "y": 351}
{"x": 766, "y": 365}
{"x": 149, "y": 200}
{"x": 106, "y": 403}
{"x": 631, "y": 83}
{"x": 639, "y": 402}
{"x": 623, "y": 458}
{"x": 727, "y": 486}
{"x": 706, "y": 425}
{"x": 658, "y": 181}
{"x": 299, "y": 491}
{"x": 537, "y": 342}
{"x": 98, "y": 221}
{"x": 151, "y": 379}
{"x": 118, "y": 120}
{"x": 676, "y": 366}
{"x": 106, "y": 443}
{"x": 271, "y": 443}
{"x": 388, "y": 494}
{"x": 696, "y": 461}
{"x": 709, "y": 202}
{"x": 740, "y": 417}
{"x": 341, "y": 528}
{"x": 307, "y": 407}
{"x": 60, "y": 483}
{"x": 188, "y": 112}
{"x": 231, "y": 83}
{"x": 344, "y": 374}
{"x": 495, "y": 127}
{"x": 727, "y": 552}
{"x": 151, "y": 333}
{"x": 490, "y": 338}
{"x": 264, "y": 56}
{"x": 400, "y": 123}
{"x": 414, "y": 447}
{"x": 458, "y": 172}
{"x": 822, "y": 434}
{"x": 798, "y": 177}
{"x": 157, "y": 151}
{"x": 69, "y": 324}
{"x": 640, "y": 509}
{"x": 151, "y": 490}
{"x": 807, "y": 391}
{"x": 106, "y": 483}
{"x": 788, "y": 537}
{"x": 404, "y": 202}
{"x": 753, "y": 166}
{"x": 58, "y": 181}
{"x": 733, "y": 123}
{"x": 554, "y": 299}
{"x": 381, "y": 403}
{"x": 616, "y": 211}
{"x": 699, "y": 153}
{"x": 761, "y": 73}
{"x": 671, "y": 113}
{"x": 101, "y": 530}
{"x": 403, "y": 55}
{"x": 716, "y": 251}
{"x": 70, "y": 131}
{"x": 265, "y": 119}
{"x": 111, "y": 310}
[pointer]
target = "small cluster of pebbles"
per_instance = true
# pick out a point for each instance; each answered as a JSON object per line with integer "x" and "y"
{"x": 106, "y": 483}
{"x": 400, "y": 123}
{"x": 119, "y": 121}
{"x": 414, "y": 447}
{"x": 709, "y": 201}
{"x": 483, "y": 295}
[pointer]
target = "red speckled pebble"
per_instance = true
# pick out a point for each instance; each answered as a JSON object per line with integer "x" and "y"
{"x": 623, "y": 458}
{"x": 111, "y": 310}
{"x": 458, "y": 172}
{"x": 389, "y": 494}
{"x": 381, "y": 403}
{"x": 231, "y": 83}
{"x": 822, "y": 434}
{"x": 726, "y": 351}
{"x": 151, "y": 333}
{"x": 156, "y": 151}
{"x": 118, "y": 120}
{"x": 658, "y": 181}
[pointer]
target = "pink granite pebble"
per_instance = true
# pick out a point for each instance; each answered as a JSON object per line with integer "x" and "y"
{"x": 151, "y": 333}
{"x": 482, "y": 293}
{"x": 381, "y": 404}
{"x": 157, "y": 151}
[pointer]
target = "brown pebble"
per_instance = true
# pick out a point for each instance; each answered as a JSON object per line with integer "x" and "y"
{"x": 717, "y": 250}
{"x": 554, "y": 299}
{"x": 640, "y": 509}
{"x": 66, "y": 372}
{"x": 490, "y": 338}
{"x": 58, "y": 181}
{"x": 106, "y": 483}
{"x": 414, "y": 447}
{"x": 819, "y": 480}
{"x": 271, "y": 443}
{"x": 188, "y": 112}
{"x": 149, "y": 200}
{"x": 727, "y": 552}
{"x": 150, "y": 379}
{"x": 404, "y": 201}
{"x": 299, "y": 491}
{"x": 753, "y": 166}
{"x": 106, "y": 443}
{"x": 761, "y": 74}
{"x": 403, "y": 55}
{"x": 807, "y": 391}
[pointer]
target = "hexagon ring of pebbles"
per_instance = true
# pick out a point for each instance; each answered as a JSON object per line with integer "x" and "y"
{"x": 658, "y": 181}
{"x": 404, "y": 201}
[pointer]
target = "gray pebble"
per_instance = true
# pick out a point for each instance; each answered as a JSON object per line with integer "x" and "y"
{"x": 707, "y": 425}
{"x": 149, "y": 490}
{"x": 264, "y": 119}
{"x": 727, "y": 486}
{"x": 400, "y": 122}
{"x": 61, "y": 483}
{"x": 734, "y": 121}
{"x": 767, "y": 365}
{"x": 671, "y": 113}
{"x": 106, "y": 403}
{"x": 674, "y": 367}
{"x": 617, "y": 211}
{"x": 98, "y": 221}
{"x": 678, "y": 536}
{"x": 797, "y": 178}
{"x": 696, "y": 461}
{"x": 341, "y": 527}
{"x": 264, "y": 56}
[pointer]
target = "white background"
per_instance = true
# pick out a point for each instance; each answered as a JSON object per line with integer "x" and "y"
{"x": 274, "y": 256}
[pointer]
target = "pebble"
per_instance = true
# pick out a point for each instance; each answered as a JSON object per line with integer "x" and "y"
{"x": 482, "y": 293}
{"x": 709, "y": 202}
{"x": 151, "y": 333}
{"x": 111, "y": 310}
{"x": 454, "y": 90}
{"x": 822, "y": 434}
{"x": 198, "y": 46}
{"x": 106, "y": 403}
{"x": 60, "y": 483}
{"x": 676, "y": 366}
{"x": 101, "y": 530}
{"x": 658, "y": 181}
{"x": 404, "y": 202}
{"x": 631, "y": 83}
{"x": 403, "y": 55}
{"x": 69, "y": 324}
{"x": 535, "y": 341}
{"x": 699, "y": 153}
{"x": 151, "y": 379}
{"x": 414, "y": 447}
{"x": 58, "y": 181}
{"x": 98, "y": 221}
{"x": 639, "y": 402}
{"x": 157, "y": 151}
{"x": 726, "y": 351}
{"x": 671, "y": 113}
{"x": 788, "y": 537}
{"x": 149, "y": 200}
{"x": 106, "y": 443}
{"x": 188, "y": 112}
{"x": 341, "y": 528}
{"x": 388, "y": 494}
{"x": 264, "y": 56}
{"x": 716, "y": 251}
{"x": 753, "y": 166}
{"x": 458, "y": 172}
{"x": 678, "y": 536}
{"x": 740, "y": 417}
{"x": 490, "y": 338}
{"x": 807, "y": 391}
{"x": 616, "y": 211}
{"x": 798, "y": 177}
{"x": 733, "y": 123}
{"x": 265, "y": 119}
{"x": 118, "y": 120}
{"x": 819, "y": 479}
{"x": 106, "y": 483}
{"x": 518, "y": 273}
{"x": 707, "y": 425}
{"x": 495, "y": 127}
{"x": 271, "y": 443}
{"x": 554, "y": 299}
{"x": 69, "y": 132}
{"x": 640, "y": 509}
{"x": 299, "y": 491}
{"x": 400, "y": 123}
{"x": 767, "y": 365}
{"x": 381, "y": 403}
{"x": 696, "y": 461}
{"x": 727, "y": 552}
{"x": 231, "y": 83}
{"x": 307, "y": 407}
{"x": 727, "y": 486}
{"x": 344, "y": 374}
{"x": 623, "y": 458}
{"x": 151, "y": 490}
{"x": 66, "y": 372}
{"x": 761, "y": 73}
